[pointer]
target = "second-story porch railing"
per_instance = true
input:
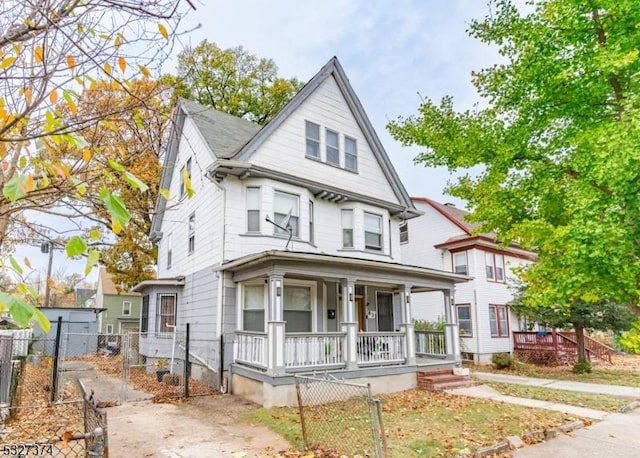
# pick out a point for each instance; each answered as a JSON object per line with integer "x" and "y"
{"x": 431, "y": 343}
{"x": 251, "y": 348}
{"x": 317, "y": 350}
{"x": 381, "y": 347}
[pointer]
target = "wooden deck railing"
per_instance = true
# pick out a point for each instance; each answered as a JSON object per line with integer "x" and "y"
{"x": 560, "y": 341}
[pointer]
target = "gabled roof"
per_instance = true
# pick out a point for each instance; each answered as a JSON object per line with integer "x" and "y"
{"x": 108, "y": 286}
{"x": 455, "y": 215}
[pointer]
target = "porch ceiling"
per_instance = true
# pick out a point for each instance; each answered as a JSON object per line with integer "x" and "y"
{"x": 288, "y": 263}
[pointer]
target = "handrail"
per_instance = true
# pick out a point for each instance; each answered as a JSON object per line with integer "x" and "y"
{"x": 560, "y": 340}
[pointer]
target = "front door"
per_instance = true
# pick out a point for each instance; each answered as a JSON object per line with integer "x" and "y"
{"x": 385, "y": 312}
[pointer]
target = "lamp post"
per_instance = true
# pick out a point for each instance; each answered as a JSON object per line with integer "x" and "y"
{"x": 47, "y": 247}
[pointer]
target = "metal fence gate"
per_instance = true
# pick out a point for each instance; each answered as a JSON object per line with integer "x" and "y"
{"x": 339, "y": 416}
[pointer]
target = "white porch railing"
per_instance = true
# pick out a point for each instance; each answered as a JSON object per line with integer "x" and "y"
{"x": 430, "y": 343}
{"x": 314, "y": 350}
{"x": 251, "y": 348}
{"x": 381, "y": 347}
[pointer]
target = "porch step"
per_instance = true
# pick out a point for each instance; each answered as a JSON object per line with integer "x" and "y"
{"x": 442, "y": 379}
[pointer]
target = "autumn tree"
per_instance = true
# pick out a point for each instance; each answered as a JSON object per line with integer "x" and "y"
{"x": 557, "y": 146}
{"x": 50, "y": 52}
{"x": 232, "y": 81}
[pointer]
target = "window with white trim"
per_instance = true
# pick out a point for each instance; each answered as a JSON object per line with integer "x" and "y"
{"x": 372, "y": 231}
{"x": 166, "y": 305}
{"x": 499, "y": 320}
{"x": 463, "y": 312}
{"x": 404, "y": 232}
{"x": 144, "y": 314}
{"x": 494, "y": 266}
{"x": 253, "y": 209}
{"x": 253, "y": 308}
{"x": 311, "y": 216}
{"x": 186, "y": 168}
{"x": 312, "y": 131}
{"x": 350, "y": 154}
{"x": 192, "y": 233}
{"x": 297, "y": 308}
{"x": 126, "y": 308}
{"x": 286, "y": 212}
{"x": 347, "y": 228}
{"x": 460, "y": 265}
{"x": 333, "y": 147}
{"x": 169, "y": 251}
{"x": 109, "y": 329}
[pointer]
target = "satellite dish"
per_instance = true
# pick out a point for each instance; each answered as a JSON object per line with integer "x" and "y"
{"x": 283, "y": 225}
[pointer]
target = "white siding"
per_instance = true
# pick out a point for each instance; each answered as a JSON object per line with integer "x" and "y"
{"x": 285, "y": 149}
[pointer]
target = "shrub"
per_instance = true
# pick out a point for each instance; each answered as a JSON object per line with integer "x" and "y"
{"x": 424, "y": 325}
{"x": 583, "y": 366}
{"x": 502, "y": 361}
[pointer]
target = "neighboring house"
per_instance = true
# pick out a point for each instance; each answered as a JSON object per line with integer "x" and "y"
{"x": 442, "y": 238}
{"x": 85, "y": 297}
{"x": 79, "y": 331}
{"x": 289, "y": 250}
{"x": 122, "y": 308}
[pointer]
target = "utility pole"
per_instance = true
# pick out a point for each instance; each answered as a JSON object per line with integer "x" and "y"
{"x": 47, "y": 247}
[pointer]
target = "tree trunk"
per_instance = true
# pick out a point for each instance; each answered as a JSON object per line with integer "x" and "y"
{"x": 580, "y": 342}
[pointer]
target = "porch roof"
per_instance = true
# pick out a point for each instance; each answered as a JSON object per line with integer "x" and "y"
{"x": 332, "y": 266}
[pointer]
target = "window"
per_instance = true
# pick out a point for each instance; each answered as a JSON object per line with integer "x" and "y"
{"x": 253, "y": 308}
{"x": 285, "y": 213}
{"x": 253, "y": 209}
{"x": 166, "y": 305}
{"x": 347, "y": 228}
{"x": 350, "y": 154}
{"x": 144, "y": 314}
{"x": 404, "y": 232}
{"x": 126, "y": 308}
{"x": 460, "y": 263}
{"x": 464, "y": 319}
{"x": 297, "y": 308}
{"x": 495, "y": 266}
{"x": 311, "y": 221}
{"x": 192, "y": 233}
{"x": 333, "y": 148}
{"x": 499, "y": 321}
{"x": 186, "y": 169}
{"x": 109, "y": 329}
{"x": 169, "y": 251}
{"x": 313, "y": 139}
{"x": 372, "y": 231}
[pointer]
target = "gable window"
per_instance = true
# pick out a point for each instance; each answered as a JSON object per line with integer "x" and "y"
{"x": 184, "y": 170}
{"x": 253, "y": 209}
{"x": 350, "y": 154}
{"x": 313, "y": 139}
{"x": 494, "y": 266}
{"x": 285, "y": 212}
{"x": 144, "y": 314}
{"x": 166, "y": 316}
{"x": 297, "y": 308}
{"x": 404, "y": 232}
{"x": 333, "y": 148}
{"x": 372, "y": 231}
{"x": 126, "y": 308}
{"x": 311, "y": 221}
{"x": 169, "y": 251}
{"x": 192, "y": 233}
{"x": 498, "y": 321}
{"x": 460, "y": 263}
{"x": 464, "y": 319}
{"x": 253, "y": 308}
{"x": 347, "y": 228}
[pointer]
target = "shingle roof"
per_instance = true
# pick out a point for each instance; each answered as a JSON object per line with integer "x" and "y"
{"x": 108, "y": 286}
{"x": 455, "y": 215}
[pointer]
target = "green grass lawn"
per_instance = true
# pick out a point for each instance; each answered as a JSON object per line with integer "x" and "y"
{"x": 417, "y": 423}
{"x": 574, "y": 398}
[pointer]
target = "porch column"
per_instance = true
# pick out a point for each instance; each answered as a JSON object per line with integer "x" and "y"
{"x": 276, "y": 326}
{"x": 407, "y": 324}
{"x": 349, "y": 324}
{"x": 452, "y": 333}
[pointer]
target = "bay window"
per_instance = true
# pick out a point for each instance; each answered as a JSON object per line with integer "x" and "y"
{"x": 347, "y": 228}
{"x": 285, "y": 212}
{"x": 372, "y": 231}
{"x": 498, "y": 321}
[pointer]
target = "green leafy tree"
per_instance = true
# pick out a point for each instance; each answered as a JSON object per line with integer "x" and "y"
{"x": 233, "y": 81}
{"x": 557, "y": 146}
{"x": 50, "y": 52}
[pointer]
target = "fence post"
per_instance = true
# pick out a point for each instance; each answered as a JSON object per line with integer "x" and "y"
{"x": 56, "y": 355}
{"x": 187, "y": 364}
{"x": 301, "y": 410}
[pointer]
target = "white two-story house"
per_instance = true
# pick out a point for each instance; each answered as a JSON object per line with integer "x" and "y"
{"x": 442, "y": 238}
{"x": 289, "y": 249}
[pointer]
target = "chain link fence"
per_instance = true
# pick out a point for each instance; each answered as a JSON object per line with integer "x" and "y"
{"x": 340, "y": 416}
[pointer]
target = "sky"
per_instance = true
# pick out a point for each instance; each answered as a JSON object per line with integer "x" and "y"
{"x": 395, "y": 53}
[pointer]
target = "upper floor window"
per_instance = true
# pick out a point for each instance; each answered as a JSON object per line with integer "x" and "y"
{"x": 404, "y": 232}
{"x": 372, "y": 231}
{"x": 253, "y": 209}
{"x": 498, "y": 321}
{"x": 347, "y": 228}
{"x": 192, "y": 233}
{"x": 333, "y": 148}
{"x": 286, "y": 212}
{"x": 185, "y": 170}
{"x": 494, "y": 266}
{"x": 166, "y": 305}
{"x": 464, "y": 319}
{"x": 169, "y": 251}
{"x": 460, "y": 263}
{"x": 126, "y": 308}
{"x": 350, "y": 154}
{"x": 313, "y": 139}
